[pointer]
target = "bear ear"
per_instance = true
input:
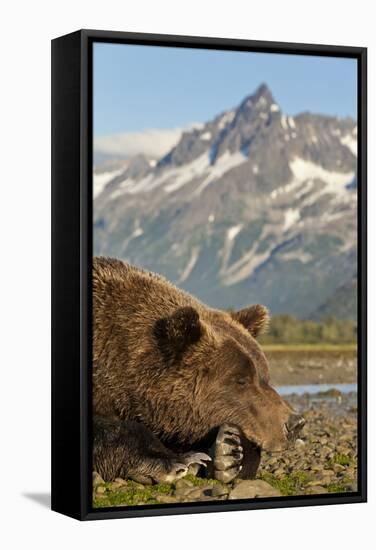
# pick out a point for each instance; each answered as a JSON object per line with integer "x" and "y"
{"x": 174, "y": 334}
{"x": 254, "y": 318}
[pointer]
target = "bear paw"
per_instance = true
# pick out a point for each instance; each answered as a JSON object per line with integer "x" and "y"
{"x": 227, "y": 453}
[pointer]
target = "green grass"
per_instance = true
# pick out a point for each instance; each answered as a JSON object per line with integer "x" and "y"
{"x": 342, "y": 486}
{"x": 133, "y": 495}
{"x": 294, "y": 484}
{"x": 341, "y": 459}
{"x": 291, "y": 484}
{"x": 200, "y": 481}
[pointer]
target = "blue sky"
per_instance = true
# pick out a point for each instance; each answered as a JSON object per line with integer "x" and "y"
{"x": 138, "y": 87}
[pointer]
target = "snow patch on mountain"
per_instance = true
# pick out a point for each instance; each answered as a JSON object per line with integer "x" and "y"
{"x": 128, "y": 183}
{"x": 182, "y": 175}
{"x": 284, "y": 122}
{"x": 137, "y": 232}
{"x": 206, "y": 136}
{"x": 173, "y": 179}
{"x": 101, "y": 180}
{"x": 294, "y": 184}
{"x": 350, "y": 142}
{"x": 224, "y": 164}
{"x": 195, "y": 252}
{"x": 335, "y": 182}
{"x": 292, "y": 215}
{"x": 246, "y": 266}
{"x": 230, "y": 237}
{"x": 226, "y": 119}
{"x": 299, "y": 255}
{"x": 233, "y": 232}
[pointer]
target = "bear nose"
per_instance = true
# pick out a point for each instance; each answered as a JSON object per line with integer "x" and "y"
{"x": 295, "y": 422}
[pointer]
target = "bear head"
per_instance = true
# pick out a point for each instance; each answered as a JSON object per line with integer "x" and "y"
{"x": 215, "y": 372}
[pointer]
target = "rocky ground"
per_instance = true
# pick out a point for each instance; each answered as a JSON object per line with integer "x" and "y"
{"x": 324, "y": 460}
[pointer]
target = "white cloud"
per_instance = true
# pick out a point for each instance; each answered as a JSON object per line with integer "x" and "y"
{"x": 153, "y": 142}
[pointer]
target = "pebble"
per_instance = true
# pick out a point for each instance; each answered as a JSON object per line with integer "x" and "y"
{"x": 97, "y": 480}
{"x": 253, "y": 489}
{"x": 183, "y": 491}
{"x": 330, "y": 431}
{"x": 117, "y": 484}
{"x": 200, "y": 492}
{"x": 316, "y": 490}
{"x": 123, "y": 489}
{"x": 120, "y": 481}
{"x": 182, "y": 483}
{"x": 220, "y": 490}
{"x": 165, "y": 499}
{"x": 138, "y": 485}
{"x": 315, "y": 483}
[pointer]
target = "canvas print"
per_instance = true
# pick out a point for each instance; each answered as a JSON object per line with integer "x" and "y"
{"x": 224, "y": 275}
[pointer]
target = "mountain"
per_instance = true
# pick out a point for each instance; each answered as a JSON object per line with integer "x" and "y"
{"x": 342, "y": 304}
{"x": 253, "y": 206}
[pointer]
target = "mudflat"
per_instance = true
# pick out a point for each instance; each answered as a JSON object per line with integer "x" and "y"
{"x": 293, "y": 365}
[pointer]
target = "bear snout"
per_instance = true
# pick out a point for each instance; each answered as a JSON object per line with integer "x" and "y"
{"x": 295, "y": 423}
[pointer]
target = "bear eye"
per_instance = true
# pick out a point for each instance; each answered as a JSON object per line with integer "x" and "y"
{"x": 242, "y": 381}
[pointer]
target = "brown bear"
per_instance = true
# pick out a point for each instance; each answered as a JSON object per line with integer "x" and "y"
{"x": 173, "y": 378}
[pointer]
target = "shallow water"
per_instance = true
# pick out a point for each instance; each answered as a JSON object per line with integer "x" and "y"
{"x": 301, "y": 389}
{"x": 304, "y": 397}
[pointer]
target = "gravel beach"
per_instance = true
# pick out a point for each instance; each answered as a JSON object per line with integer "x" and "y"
{"x": 323, "y": 460}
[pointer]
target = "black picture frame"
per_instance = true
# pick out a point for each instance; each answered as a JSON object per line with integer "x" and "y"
{"x": 72, "y": 153}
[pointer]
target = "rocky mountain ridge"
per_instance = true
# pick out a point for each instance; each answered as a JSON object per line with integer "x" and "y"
{"x": 253, "y": 206}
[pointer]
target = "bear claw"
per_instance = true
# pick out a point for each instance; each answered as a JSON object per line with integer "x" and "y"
{"x": 177, "y": 471}
{"x": 188, "y": 463}
{"x": 194, "y": 461}
{"x": 227, "y": 454}
{"x": 196, "y": 458}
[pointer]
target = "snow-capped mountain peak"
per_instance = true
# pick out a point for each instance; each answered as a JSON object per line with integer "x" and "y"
{"x": 237, "y": 203}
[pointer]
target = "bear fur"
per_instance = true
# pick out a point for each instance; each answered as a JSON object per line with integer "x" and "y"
{"x": 168, "y": 372}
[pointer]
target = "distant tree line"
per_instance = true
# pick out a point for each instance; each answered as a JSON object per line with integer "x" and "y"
{"x": 286, "y": 329}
